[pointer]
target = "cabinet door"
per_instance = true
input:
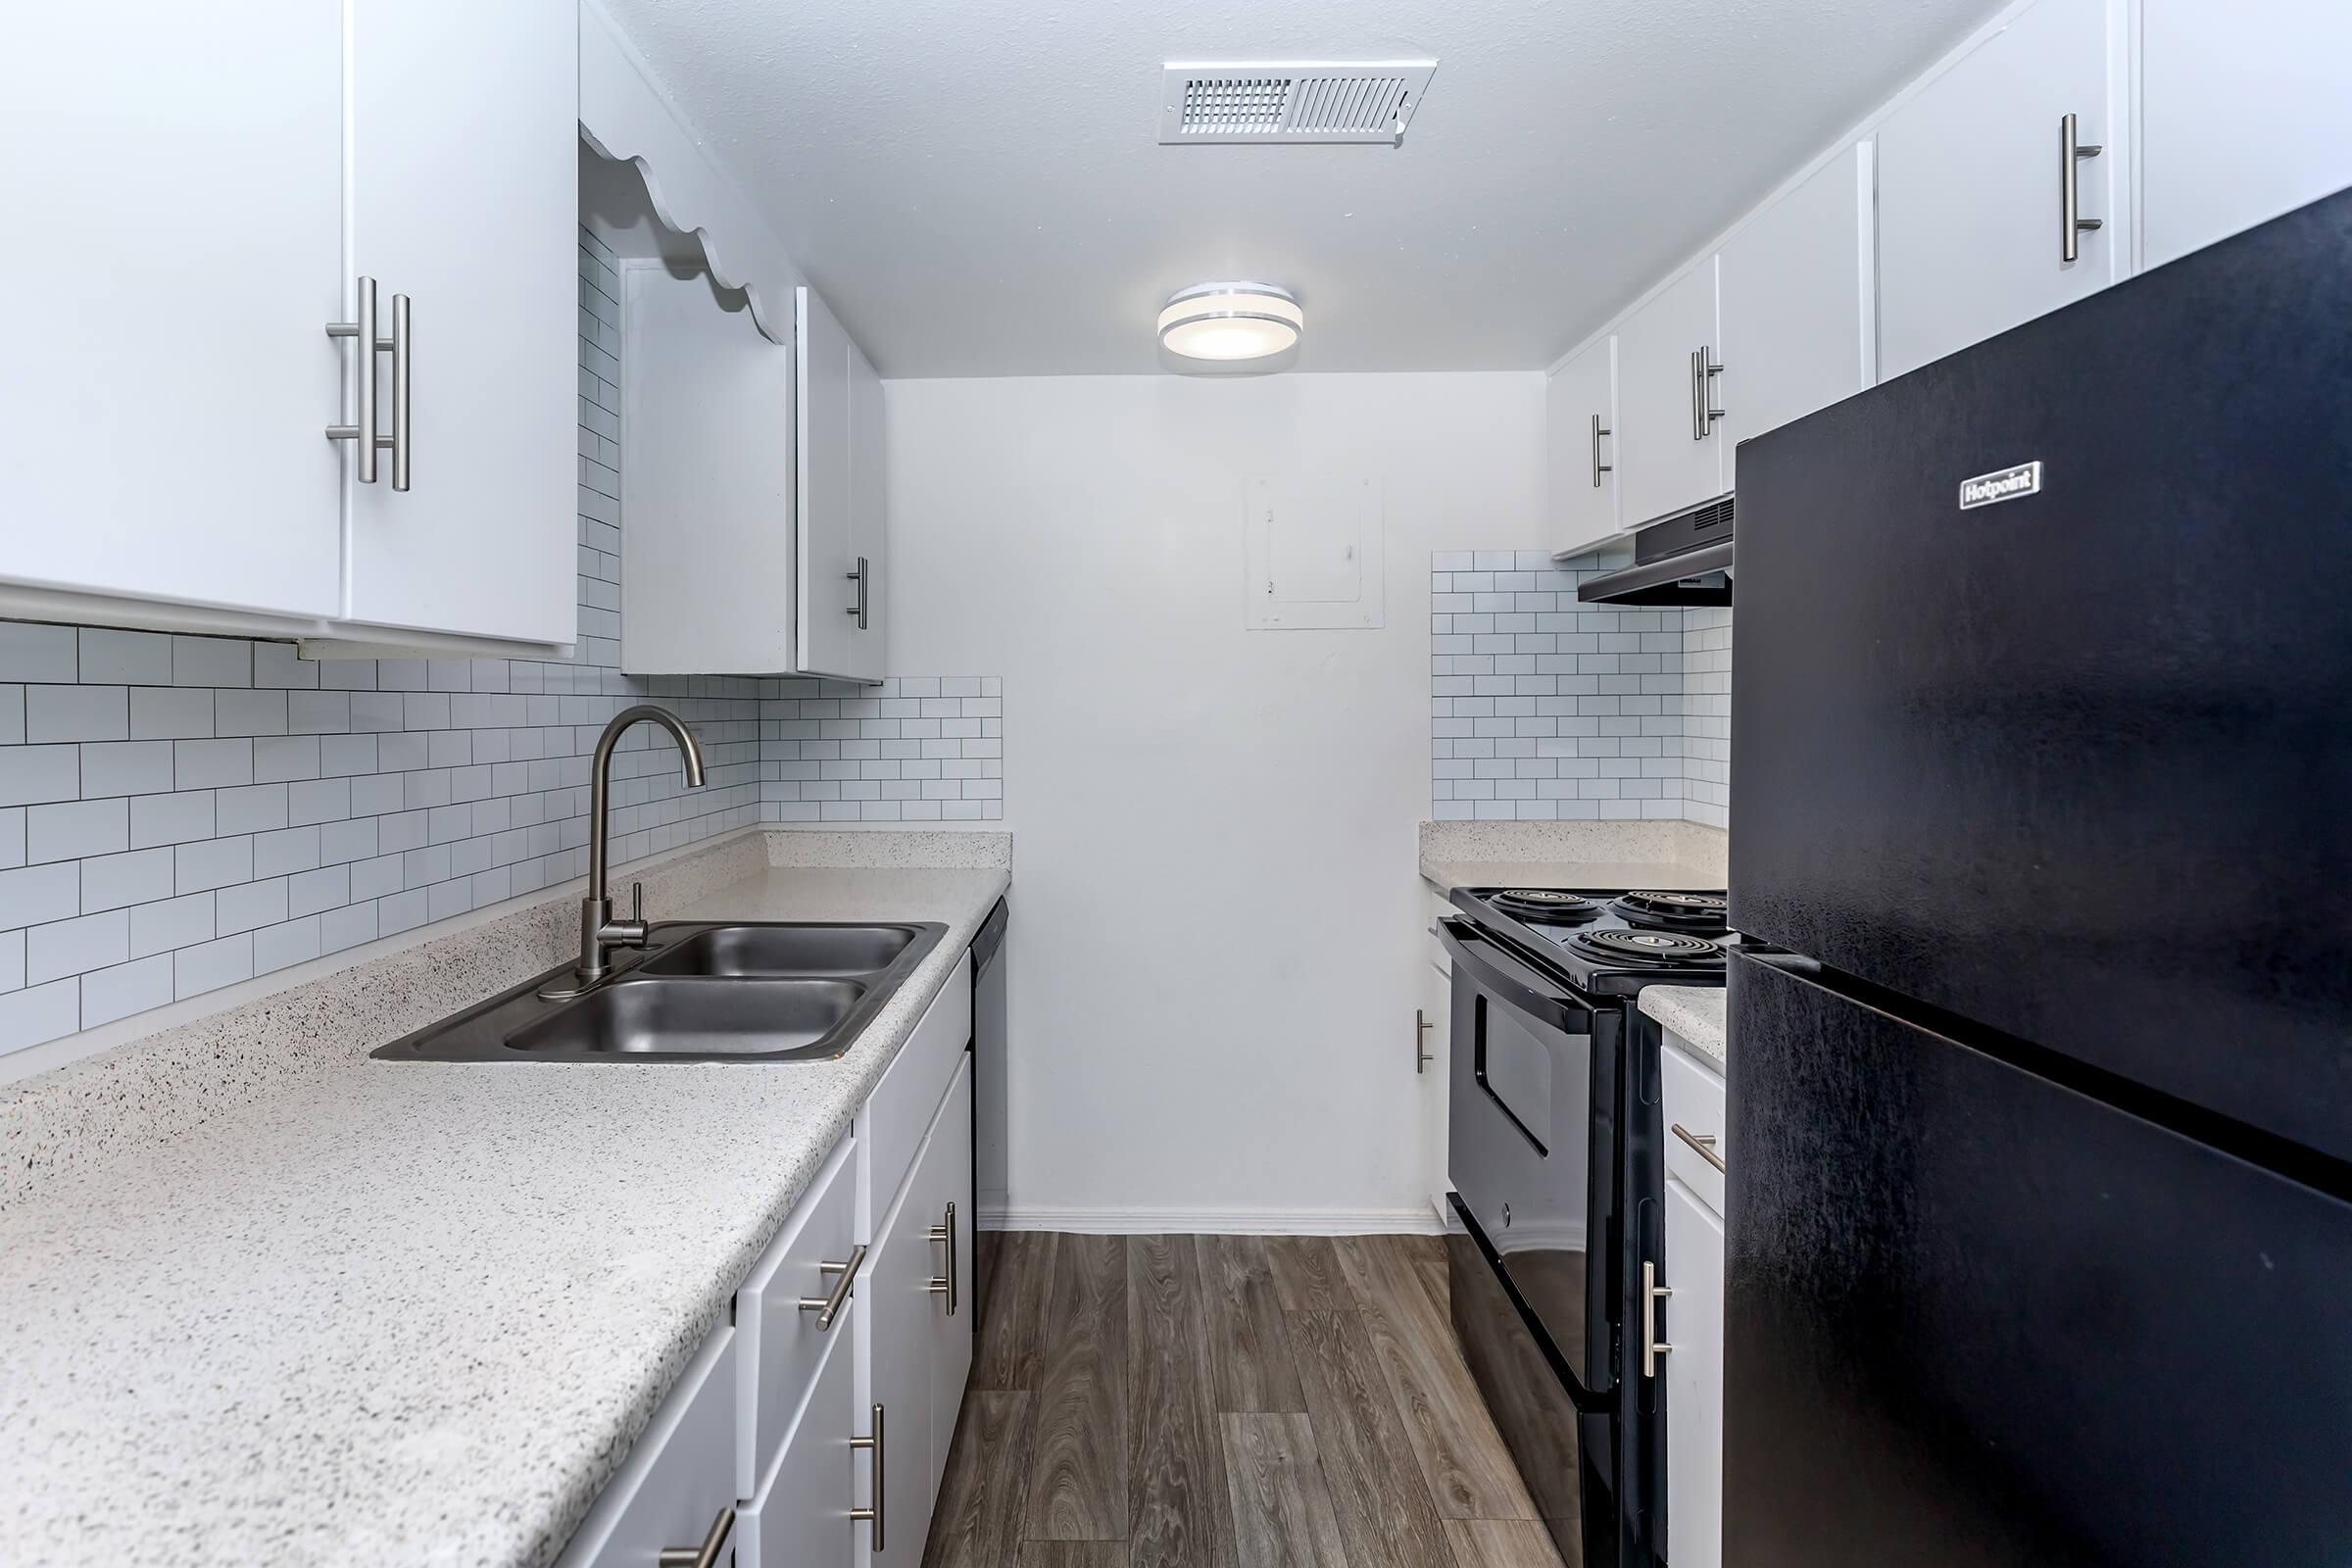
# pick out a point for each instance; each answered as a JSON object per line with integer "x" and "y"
{"x": 1970, "y": 187}
{"x": 677, "y": 1479}
{"x": 869, "y": 507}
{"x": 1664, "y": 463}
{"x": 945, "y": 1177}
{"x": 801, "y": 1518}
{"x": 465, "y": 181}
{"x": 1580, "y": 414}
{"x": 1435, "y": 994}
{"x": 706, "y": 482}
{"x": 2243, "y": 115}
{"x": 894, "y": 1371}
{"x": 177, "y": 176}
{"x": 1694, "y": 1325}
{"x": 823, "y": 515}
{"x": 1799, "y": 303}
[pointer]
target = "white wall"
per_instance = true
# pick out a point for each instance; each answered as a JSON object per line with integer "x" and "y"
{"x": 1215, "y": 906}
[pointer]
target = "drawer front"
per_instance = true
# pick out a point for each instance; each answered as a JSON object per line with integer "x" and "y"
{"x": 778, "y": 1345}
{"x": 677, "y": 1479}
{"x": 1693, "y": 1100}
{"x": 942, "y": 1180}
{"x": 891, "y": 1123}
{"x": 801, "y": 1518}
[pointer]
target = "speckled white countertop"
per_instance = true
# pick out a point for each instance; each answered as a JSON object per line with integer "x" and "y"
{"x": 1696, "y": 1014}
{"x": 1593, "y": 854}
{"x": 408, "y": 1313}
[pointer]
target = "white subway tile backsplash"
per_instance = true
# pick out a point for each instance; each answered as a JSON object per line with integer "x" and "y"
{"x": 115, "y": 881}
{"x": 118, "y": 991}
{"x": 39, "y": 1013}
{"x": 33, "y": 894}
{"x": 69, "y": 946}
{"x": 214, "y": 662}
{"x": 205, "y": 764}
{"x": 169, "y": 923}
{"x": 69, "y": 830}
{"x": 31, "y": 653}
{"x": 209, "y": 965}
{"x": 1545, "y": 708}
{"x": 171, "y": 713}
{"x": 33, "y": 774}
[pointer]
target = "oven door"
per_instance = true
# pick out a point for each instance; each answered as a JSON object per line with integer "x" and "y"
{"x": 1521, "y": 1155}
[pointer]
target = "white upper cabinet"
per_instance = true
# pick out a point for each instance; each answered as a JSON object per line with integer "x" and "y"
{"x": 1580, "y": 415}
{"x": 2245, "y": 112}
{"x": 1798, "y": 304}
{"x": 178, "y": 179}
{"x": 465, "y": 180}
{"x": 1974, "y": 193}
{"x": 841, "y": 499}
{"x": 212, "y": 196}
{"x": 1670, "y": 446}
{"x": 707, "y": 477}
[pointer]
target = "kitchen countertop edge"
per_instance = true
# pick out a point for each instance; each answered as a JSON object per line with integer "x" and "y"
{"x": 1695, "y": 1017}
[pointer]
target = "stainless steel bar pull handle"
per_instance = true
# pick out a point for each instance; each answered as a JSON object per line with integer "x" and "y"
{"x": 874, "y": 1515}
{"x": 1600, "y": 467}
{"x": 827, "y": 1308}
{"x": 862, "y": 576}
{"x": 2071, "y": 222}
{"x": 364, "y": 428}
{"x": 1651, "y": 1345}
{"x": 945, "y": 1284}
{"x": 1421, "y": 1028}
{"x": 1704, "y": 412}
{"x": 704, "y": 1555}
{"x": 1704, "y": 1142}
{"x": 400, "y": 392}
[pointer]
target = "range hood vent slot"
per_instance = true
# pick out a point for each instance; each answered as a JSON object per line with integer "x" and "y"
{"x": 1293, "y": 102}
{"x": 1680, "y": 559}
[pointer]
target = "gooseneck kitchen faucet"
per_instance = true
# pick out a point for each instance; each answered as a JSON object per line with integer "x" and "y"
{"x": 599, "y": 933}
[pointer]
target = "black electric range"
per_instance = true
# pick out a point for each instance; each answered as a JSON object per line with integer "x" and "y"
{"x": 1556, "y": 1159}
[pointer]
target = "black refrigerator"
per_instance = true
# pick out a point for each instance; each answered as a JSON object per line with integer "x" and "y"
{"x": 2040, "y": 1129}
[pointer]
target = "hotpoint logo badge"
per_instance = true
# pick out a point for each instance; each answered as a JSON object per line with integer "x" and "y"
{"x": 2004, "y": 484}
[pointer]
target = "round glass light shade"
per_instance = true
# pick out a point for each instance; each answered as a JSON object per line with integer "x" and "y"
{"x": 1230, "y": 321}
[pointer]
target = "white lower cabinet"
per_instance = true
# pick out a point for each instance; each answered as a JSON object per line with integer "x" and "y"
{"x": 913, "y": 1357}
{"x": 1693, "y": 1380}
{"x": 801, "y": 1516}
{"x": 945, "y": 1185}
{"x": 816, "y": 1442}
{"x": 1693, "y": 1101}
{"x": 679, "y": 1481}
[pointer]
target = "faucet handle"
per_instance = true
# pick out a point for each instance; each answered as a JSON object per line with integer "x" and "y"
{"x": 637, "y": 903}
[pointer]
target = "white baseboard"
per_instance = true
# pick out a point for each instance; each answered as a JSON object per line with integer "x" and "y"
{"x": 1407, "y": 1221}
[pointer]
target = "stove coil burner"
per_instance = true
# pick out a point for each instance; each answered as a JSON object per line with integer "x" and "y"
{"x": 1543, "y": 904}
{"x": 1649, "y": 947}
{"x": 1686, "y": 911}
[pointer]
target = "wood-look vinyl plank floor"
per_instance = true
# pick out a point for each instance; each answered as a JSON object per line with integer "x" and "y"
{"x": 1281, "y": 1513}
{"x": 1078, "y": 1475}
{"x": 1216, "y": 1402}
{"x": 1249, "y": 1339}
{"x": 1470, "y": 1473}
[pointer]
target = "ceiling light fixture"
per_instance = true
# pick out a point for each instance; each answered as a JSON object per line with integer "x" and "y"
{"x": 1225, "y": 323}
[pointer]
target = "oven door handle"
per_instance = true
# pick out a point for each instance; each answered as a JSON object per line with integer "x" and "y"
{"x": 1513, "y": 983}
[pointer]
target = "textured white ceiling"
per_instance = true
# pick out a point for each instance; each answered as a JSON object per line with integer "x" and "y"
{"x": 977, "y": 188}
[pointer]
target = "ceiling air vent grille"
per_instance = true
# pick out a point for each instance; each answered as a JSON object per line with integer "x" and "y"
{"x": 1296, "y": 102}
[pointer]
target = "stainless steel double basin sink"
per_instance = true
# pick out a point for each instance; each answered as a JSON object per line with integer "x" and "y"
{"x": 780, "y": 992}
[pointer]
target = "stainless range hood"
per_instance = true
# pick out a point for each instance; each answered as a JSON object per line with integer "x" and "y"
{"x": 1682, "y": 560}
